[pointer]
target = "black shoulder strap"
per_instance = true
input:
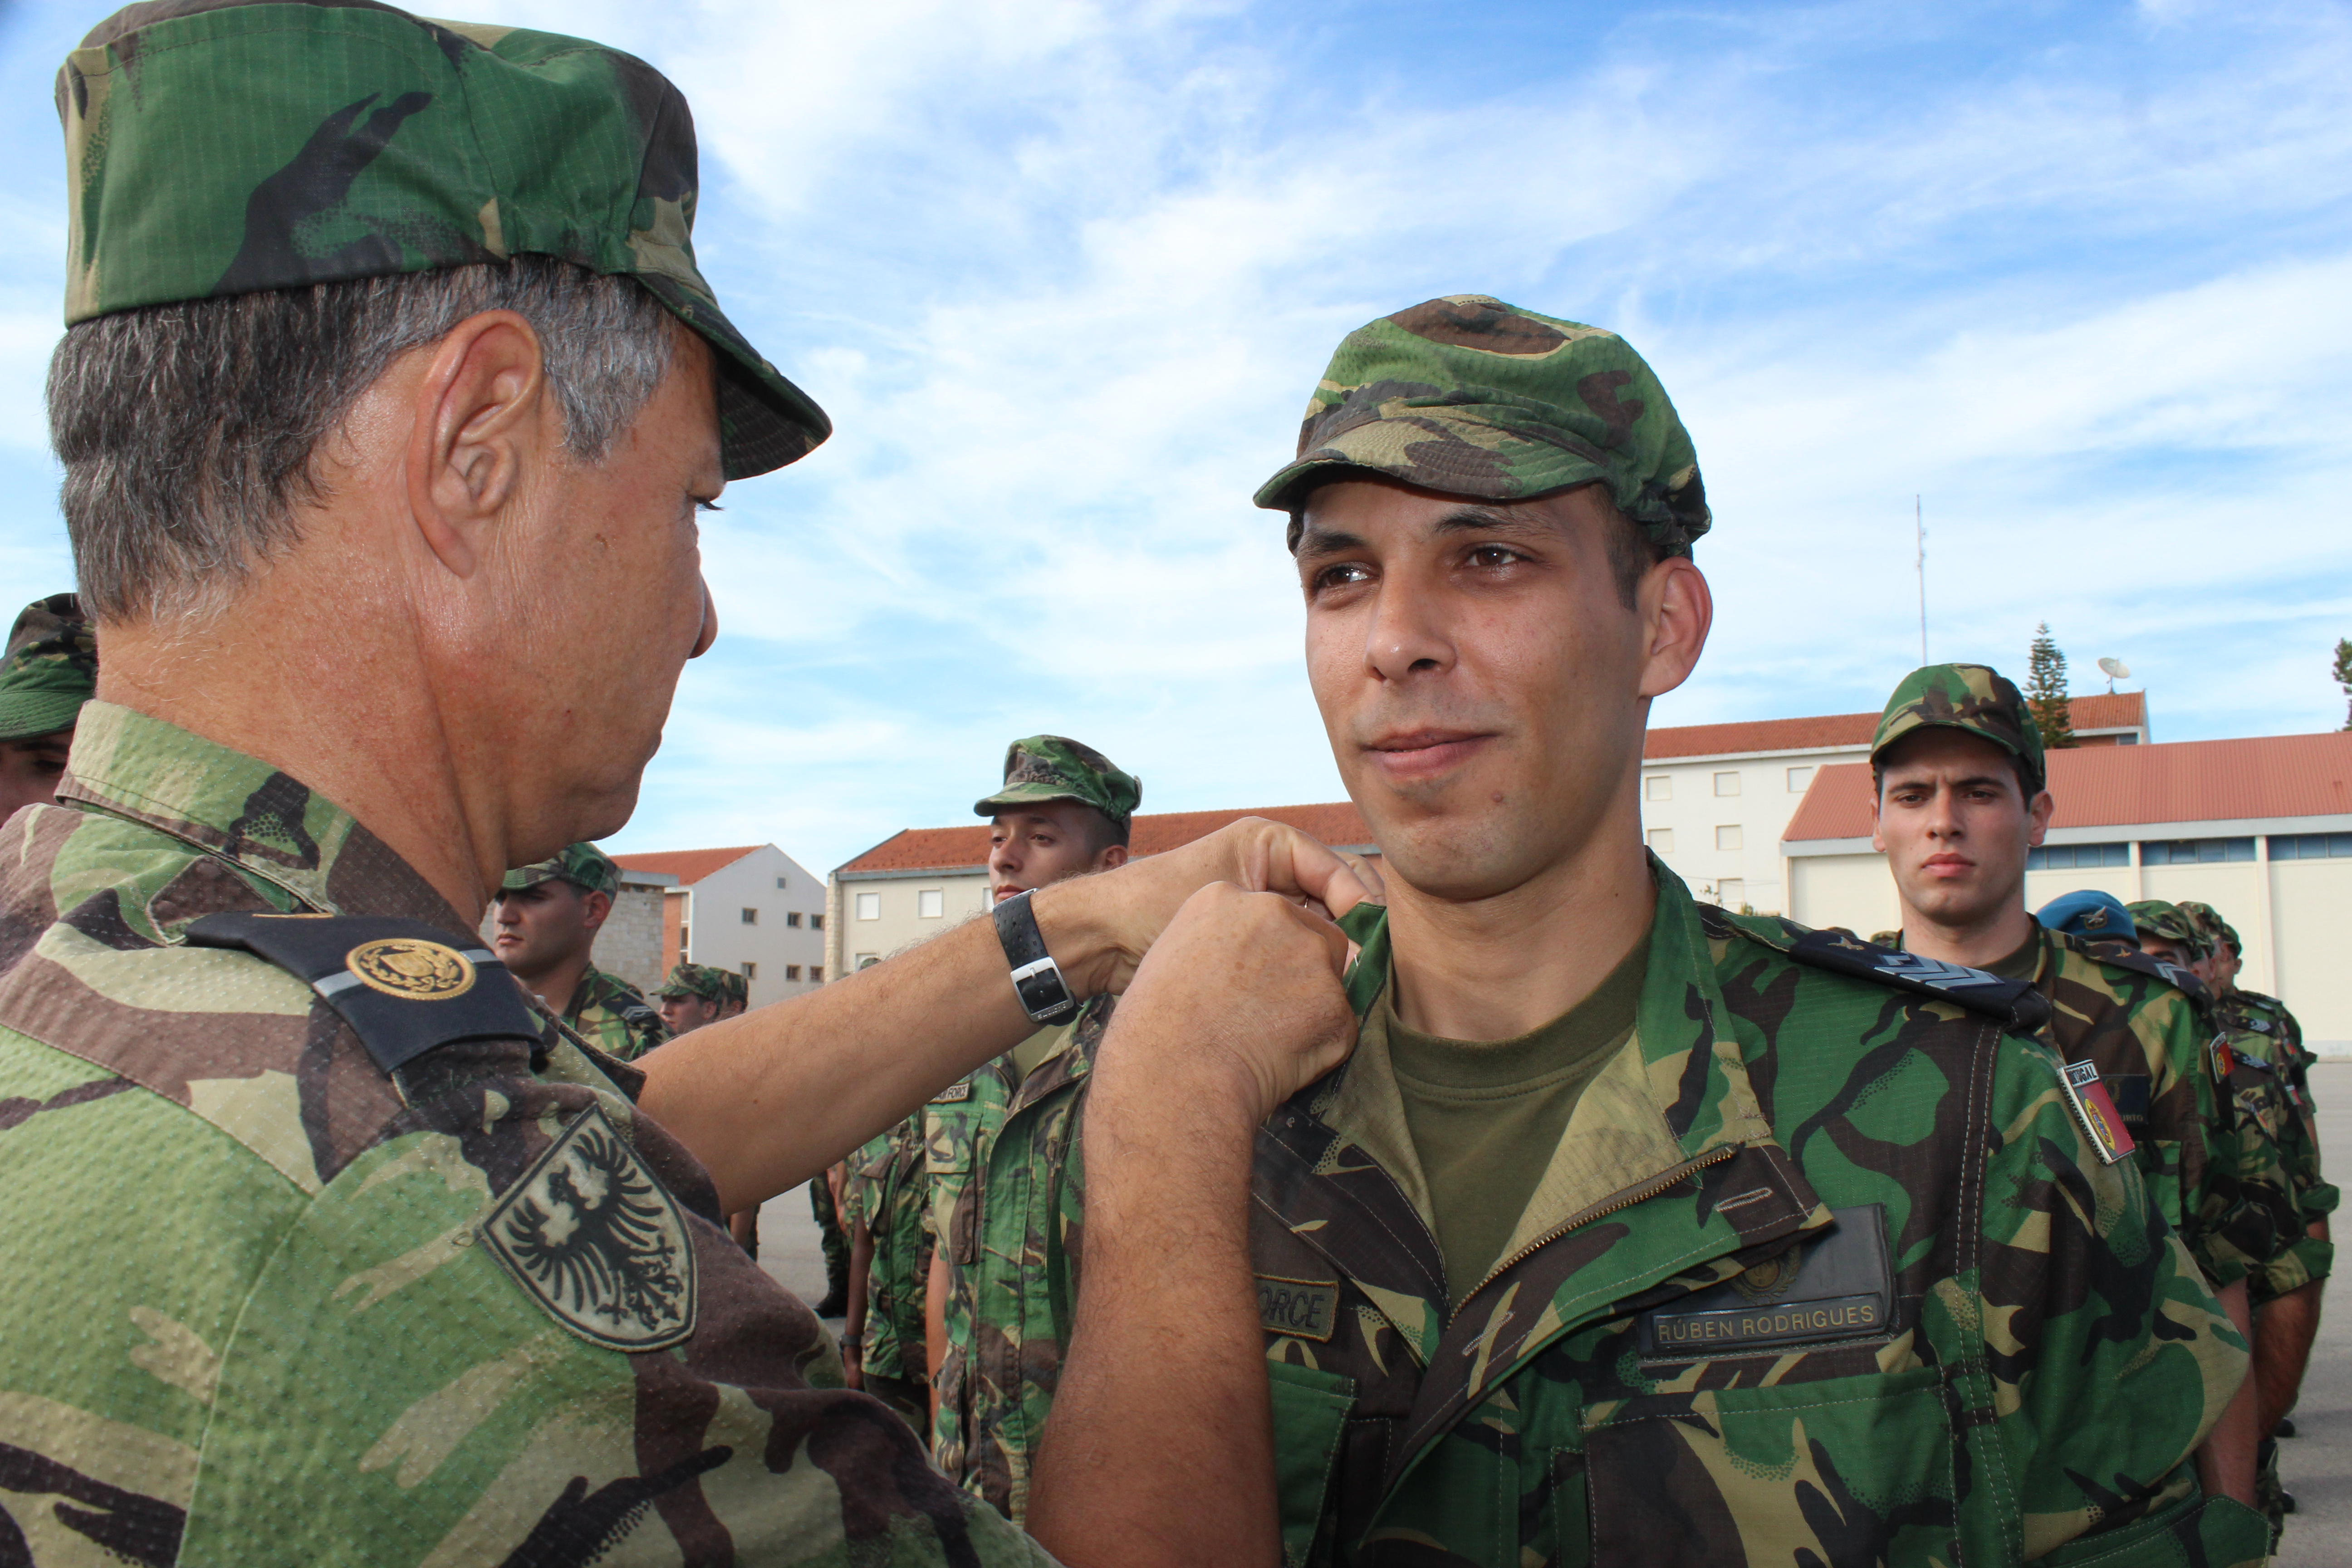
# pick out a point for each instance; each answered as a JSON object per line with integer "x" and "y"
{"x": 2124, "y": 955}
{"x": 403, "y": 987}
{"x": 2015, "y": 1003}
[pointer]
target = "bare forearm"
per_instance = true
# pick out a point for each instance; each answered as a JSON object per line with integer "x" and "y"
{"x": 1159, "y": 1450}
{"x": 2225, "y": 1464}
{"x": 2284, "y": 1331}
{"x": 935, "y": 1323}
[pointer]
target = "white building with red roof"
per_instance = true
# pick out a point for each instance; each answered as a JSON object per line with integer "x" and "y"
{"x": 749, "y": 908}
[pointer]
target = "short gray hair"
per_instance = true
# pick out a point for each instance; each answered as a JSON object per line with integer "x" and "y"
{"x": 188, "y": 430}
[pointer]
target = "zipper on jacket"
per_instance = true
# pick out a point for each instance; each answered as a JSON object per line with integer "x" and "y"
{"x": 1642, "y": 1193}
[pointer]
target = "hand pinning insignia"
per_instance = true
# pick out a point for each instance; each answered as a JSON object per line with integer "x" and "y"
{"x": 597, "y": 1241}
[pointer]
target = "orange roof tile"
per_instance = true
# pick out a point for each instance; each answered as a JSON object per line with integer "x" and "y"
{"x": 2100, "y": 710}
{"x": 966, "y": 848}
{"x": 2123, "y": 787}
{"x": 688, "y": 866}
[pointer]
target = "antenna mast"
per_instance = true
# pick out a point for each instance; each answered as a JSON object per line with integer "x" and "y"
{"x": 1919, "y": 540}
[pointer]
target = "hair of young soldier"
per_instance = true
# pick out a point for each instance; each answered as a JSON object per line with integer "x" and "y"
{"x": 190, "y": 432}
{"x": 1102, "y": 830}
{"x": 1632, "y": 551}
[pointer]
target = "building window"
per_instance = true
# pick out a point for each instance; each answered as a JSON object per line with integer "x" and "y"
{"x": 817, "y": 922}
{"x": 1662, "y": 841}
{"x": 1799, "y": 778}
{"x": 869, "y": 908}
{"x": 793, "y": 918}
{"x": 1727, "y": 837}
{"x": 751, "y": 971}
{"x": 1658, "y": 787}
{"x": 750, "y": 917}
{"x": 868, "y": 960}
{"x": 2194, "y": 851}
{"x": 2130, "y": 737}
{"x": 931, "y": 903}
{"x": 782, "y": 883}
{"x": 2077, "y": 856}
{"x": 1727, "y": 783}
{"x": 1731, "y": 892}
{"x": 791, "y": 972}
{"x": 2311, "y": 846}
{"x": 685, "y": 941}
{"x": 816, "y": 972}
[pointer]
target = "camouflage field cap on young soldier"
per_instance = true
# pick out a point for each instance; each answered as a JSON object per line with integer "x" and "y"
{"x": 1970, "y": 697}
{"x": 1470, "y": 396}
{"x": 2210, "y": 925}
{"x": 2157, "y": 917}
{"x": 584, "y": 866}
{"x": 1053, "y": 767}
{"x": 50, "y": 668}
{"x": 697, "y": 980}
{"x": 220, "y": 147}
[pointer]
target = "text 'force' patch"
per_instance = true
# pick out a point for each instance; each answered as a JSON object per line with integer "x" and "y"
{"x": 1302, "y": 1309}
{"x": 597, "y": 1241}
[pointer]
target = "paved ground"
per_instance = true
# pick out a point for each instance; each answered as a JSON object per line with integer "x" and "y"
{"x": 2317, "y": 1463}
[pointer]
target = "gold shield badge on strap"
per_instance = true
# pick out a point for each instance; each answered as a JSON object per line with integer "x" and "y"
{"x": 412, "y": 968}
{"x": 594, "y": 1238}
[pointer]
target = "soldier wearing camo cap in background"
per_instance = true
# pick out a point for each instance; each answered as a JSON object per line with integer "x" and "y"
{"x": 548, "y": 916}
{"x": 1961, "y": 800}
{"x": 50, "y": 669}
{"x": 698, "y": 994}
{"x": 1637, "y": 1230}
{"x": 1001, "y": 1199}
{"x": 389, "y": 388}
{"x": 2287, "y": 1294}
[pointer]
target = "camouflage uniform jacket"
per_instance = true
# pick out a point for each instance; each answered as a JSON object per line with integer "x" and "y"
{"x": 891, "y": 1175}
{"x": 361, "y": 1337}
{"x": 2128, "y": 1014}
{"x": 1007, "y": 1192}
{"x": 1823, "y": 1270}
{"x": 2260, "y": 1028}
{"x": 614, "y": 1017}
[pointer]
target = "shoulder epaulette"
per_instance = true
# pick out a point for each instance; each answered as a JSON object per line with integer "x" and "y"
{"x": 2014, "y": 1004}
{"x": 403, "y": 987}
{"x": 2124, "y": 955}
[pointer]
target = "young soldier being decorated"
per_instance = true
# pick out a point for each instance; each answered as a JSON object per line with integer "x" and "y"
{"x": 549, "y": 913}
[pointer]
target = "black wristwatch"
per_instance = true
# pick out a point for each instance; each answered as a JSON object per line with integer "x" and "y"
{"x": 1036, "y": 978}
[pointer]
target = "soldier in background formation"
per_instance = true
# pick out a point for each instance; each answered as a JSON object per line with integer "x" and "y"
{"x": 698, "y": 994}
{"x": 2257, "y": 1037}
{"x": 548, "y": 916}
{"x": 1961, "y": 798}
{"x": 1004, "y": 1200}
{"x": 49, "y": 670}
{"x": 882, "y": 1345}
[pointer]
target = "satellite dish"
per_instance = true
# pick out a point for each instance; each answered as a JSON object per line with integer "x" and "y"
{"x": 2115, "y": 669}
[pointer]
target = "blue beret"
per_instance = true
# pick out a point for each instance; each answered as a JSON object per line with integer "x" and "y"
{"x": 2091, "y": 915}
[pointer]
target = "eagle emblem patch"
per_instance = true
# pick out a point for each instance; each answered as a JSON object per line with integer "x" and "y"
{"x": 408, "y": 966}
{"x": 597, "y": 1241}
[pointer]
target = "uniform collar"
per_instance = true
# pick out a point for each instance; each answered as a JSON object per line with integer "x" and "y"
{"x": 268, "y": 825}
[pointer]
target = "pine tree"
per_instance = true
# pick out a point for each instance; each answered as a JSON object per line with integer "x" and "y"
{"x": 2045, "y": 691}
{"x": 2344, "y": 671}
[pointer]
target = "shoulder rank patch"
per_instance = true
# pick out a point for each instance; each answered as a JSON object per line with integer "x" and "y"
{"x": 403, "y": 987}
{"x": 2102, "y": 1123}
{"x": 597, "y": 1241}
{"x": 2015, "y": 1002}
{"x": 1835, "y": 1287}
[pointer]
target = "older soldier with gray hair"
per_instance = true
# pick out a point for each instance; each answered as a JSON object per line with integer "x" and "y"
{"x": 390, "y": 394}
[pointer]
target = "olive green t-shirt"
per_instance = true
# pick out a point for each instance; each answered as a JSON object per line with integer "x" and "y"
{"x": 2022, "y": 964}
{"x": 1487, "y": 1116}
{"x": 1025, "y": 1056}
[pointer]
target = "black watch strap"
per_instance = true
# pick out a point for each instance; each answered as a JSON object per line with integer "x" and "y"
{"x": 1036, "y": 978}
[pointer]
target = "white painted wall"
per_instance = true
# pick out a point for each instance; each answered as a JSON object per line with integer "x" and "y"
{"x": 1691, "y": 813}
{"x": 778, "y": 887}
{"x": 877, "y": 915}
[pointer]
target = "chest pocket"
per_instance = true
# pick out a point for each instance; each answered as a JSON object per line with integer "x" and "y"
{"x": 2129, "y": 1090}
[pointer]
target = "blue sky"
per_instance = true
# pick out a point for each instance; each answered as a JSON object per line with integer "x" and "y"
{"x": 1064, "y": 272}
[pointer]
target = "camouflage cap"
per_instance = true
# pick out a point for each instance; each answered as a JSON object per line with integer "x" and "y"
{"x": 1971, "y": 697}
{"x": 697, "y": 980}
{"x": 1470, "y": 396}
{"x": 2092, "y": 915}
{"x": 2157, "y": 917}
{"x": 584, "y": 866}
{"x": 2210, "y": 924}
{"x": 1053, "y": 767}
{"x": 220, "y": 147}
{"x": 50, "y": 668}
